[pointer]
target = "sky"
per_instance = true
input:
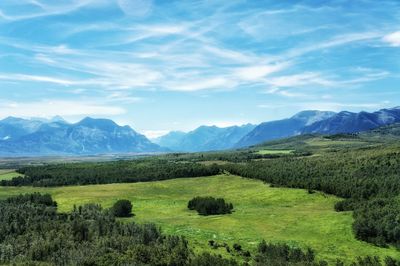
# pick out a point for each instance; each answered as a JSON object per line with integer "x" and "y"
{"x": 161, "y": 65}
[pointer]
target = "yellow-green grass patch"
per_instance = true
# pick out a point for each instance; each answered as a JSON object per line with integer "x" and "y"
{"x": 6, "y": 174}
{"x": 266, "y": 152}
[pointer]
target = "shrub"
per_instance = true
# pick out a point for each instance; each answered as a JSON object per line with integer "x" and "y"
{"x": 210, "y": 206}
{"x": 237, "y": 247}
{"x": 122, "y": 208}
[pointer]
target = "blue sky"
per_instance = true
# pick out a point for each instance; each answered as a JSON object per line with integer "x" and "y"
{"x": 175, "y": 65}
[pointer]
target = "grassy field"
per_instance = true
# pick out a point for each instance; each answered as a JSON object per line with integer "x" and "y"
{"x": 7, "y": 174}
{"x": 261, "y": 212}
{"x": 265, "y": 152}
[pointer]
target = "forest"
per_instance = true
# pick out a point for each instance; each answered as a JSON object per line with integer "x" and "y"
{"x": 139, "y": 170}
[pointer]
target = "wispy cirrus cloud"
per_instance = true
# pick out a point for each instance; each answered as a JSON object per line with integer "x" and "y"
{"x": 42, "y": 9}
{"x": 52, "y": 107}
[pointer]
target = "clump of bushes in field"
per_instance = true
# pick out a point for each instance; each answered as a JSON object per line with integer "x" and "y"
{"x": 210, "y": 206}
{"x": 122, "y": 208}
{"x": 283, "y": 254}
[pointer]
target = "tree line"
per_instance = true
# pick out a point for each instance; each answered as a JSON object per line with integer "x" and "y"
{"x": 111, "y": 172}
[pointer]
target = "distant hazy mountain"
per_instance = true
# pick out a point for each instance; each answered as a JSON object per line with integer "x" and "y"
{"x": 204, "y": 138}
{"x": 172, "y": 139}
{"x": 89, "y": 136}
{"x": 28, "y": 137}
{"x": 283, "y": 128}
{"x": 347, "y": 122}
{"x": 12, "y": 128}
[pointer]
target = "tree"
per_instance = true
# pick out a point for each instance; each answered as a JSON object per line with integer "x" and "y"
{"x": 122, "y": 208}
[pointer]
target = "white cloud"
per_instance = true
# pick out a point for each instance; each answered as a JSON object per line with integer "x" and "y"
{"x": 392, "y": 39}
{"x": 285, "y": 93}
{"x": 298, "y": 80}
{"x": 123, "y": 97}
{"x": 46, "y": 9}
{"x": 254, "y": 73}
{"x": 35, "y": 78}
{"x": 52, "y": 108}
{"x": 323, "y": 106}
{"x": 138, "y": 8}
{"x": 334, "y": 42}
{"x": 205, "y": 84}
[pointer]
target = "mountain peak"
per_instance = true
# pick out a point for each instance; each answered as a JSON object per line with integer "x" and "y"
{"x": 58, "y": 118}
{"x": 311, "y": 113}
{"x": 97, "y": 123}
{"x": 89, "y": 136}
{"x": 11, "y": 119}
{"x": 312, "y": 116}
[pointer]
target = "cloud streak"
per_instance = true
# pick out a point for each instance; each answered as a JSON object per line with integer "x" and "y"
{"x": 49, "y": 108}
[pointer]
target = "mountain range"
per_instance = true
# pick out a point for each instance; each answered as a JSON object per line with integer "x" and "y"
{"x": 204, "y": 138}
{"x": 39, "y": 137}
{"x": 282, "y": 128}
{"x": 23, "y": 137}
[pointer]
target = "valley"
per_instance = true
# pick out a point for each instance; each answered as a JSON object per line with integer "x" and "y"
{"x": 261, "y": 212}
{"x": 335, "y": 195}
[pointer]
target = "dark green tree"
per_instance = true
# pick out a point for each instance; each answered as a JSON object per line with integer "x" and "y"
{"x": 122, "y": 208}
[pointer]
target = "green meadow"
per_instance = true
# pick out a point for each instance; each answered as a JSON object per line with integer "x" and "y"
{"x": 6, "y": 174}
{"x": 260, "y": 212}
{"x": 265, "y": 152}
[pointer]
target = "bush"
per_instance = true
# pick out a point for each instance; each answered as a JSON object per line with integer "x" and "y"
{"x": 237, "y": 247}
{"x": 210, "y": 206}
{"x": 122, "y": 208}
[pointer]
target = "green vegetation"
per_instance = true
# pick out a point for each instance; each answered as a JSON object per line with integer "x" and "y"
{"x": 292, "y": 214}
{"x": 32, "y": 231}
{"x": 8, "y": 174}
{"x": 110, "y": 172}
{"x": 270, "y": 254}
{"x": 122, "y": 208}
{"x": 210, "y": 206}
{"x": 264, "y": 152}
{"x": 359, "y": 175}
{"x": 278, "y": 215}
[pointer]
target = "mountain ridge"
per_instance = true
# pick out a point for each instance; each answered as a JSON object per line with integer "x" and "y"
{"x": 282, "y": 128}
{"x": 86, "y": 137}
{"x": 91, "y": 136}
{"x": 204, "y": 138}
